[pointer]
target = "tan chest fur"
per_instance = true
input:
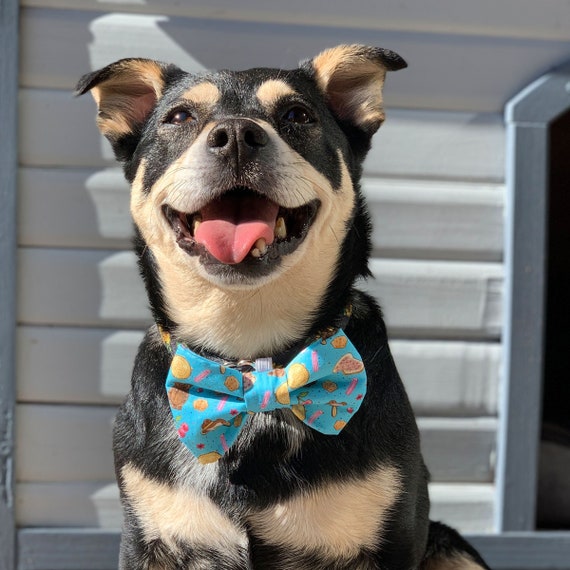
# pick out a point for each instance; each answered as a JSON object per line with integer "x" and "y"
{"x": 335, "y": 520}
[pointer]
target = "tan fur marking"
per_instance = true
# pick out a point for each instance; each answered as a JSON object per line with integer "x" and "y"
{"x": 352, "y": 82}
{"x": 205, "y": 93}
{"x": 455, "y": 562}
{"x": 174, "y": 514}
{"x": 271, "y": 91}
{"x": 337, "y": 519}
{"x": 332, "y": 60}
{"x": 244, "y": 321}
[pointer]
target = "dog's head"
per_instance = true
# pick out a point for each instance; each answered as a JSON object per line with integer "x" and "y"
{"x": 245, "y": 189}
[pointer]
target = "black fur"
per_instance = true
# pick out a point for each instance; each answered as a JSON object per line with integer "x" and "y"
{"x": 261, "y": 470}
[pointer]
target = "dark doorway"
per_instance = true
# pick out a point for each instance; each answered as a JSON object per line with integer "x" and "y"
{"x": 556, "y": 400}
{"x": 553, "y": 508}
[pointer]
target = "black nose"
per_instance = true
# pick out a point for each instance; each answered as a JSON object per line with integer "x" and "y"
{"x": 237, "y": 139}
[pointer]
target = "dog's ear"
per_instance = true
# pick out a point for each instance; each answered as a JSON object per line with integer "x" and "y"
{"x": 126, "y": 92}
{"x": 352, "y": 77}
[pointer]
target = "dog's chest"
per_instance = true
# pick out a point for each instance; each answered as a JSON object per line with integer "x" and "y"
{"x": 335, "y": 520}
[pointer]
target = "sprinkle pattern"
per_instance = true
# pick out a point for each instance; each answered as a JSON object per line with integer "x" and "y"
{"x": 323, "y": 386}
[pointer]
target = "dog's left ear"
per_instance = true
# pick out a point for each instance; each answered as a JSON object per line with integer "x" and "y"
{"x": 126, "y": 92}
{"x": 352, "y": 77}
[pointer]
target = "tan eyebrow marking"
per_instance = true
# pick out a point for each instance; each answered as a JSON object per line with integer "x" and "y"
{"x": 205, "y": 93}
{"x": 272, "y": 90}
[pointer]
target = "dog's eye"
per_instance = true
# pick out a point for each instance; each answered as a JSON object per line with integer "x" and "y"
{"x": 298, "y": 115}
{"x": 180, "y": 117}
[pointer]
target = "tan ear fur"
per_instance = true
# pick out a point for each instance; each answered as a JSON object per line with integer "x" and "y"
{"x": 125, "y": 93}
{"x": 352, "y": 77}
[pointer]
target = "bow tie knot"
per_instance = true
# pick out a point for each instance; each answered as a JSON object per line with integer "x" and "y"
{"x": 259, "y": 396}
{"x": 323, "y": 386}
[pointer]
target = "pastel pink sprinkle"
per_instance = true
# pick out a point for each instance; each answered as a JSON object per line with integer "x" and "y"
{"x": 315, "y": 416}
{"x": 222, "y": 403}
{"x": 266, "y": 398}
{"x": 315, "y": 360}
{"x": 202, "y": 375}
{"x": 351, "y": 386}
{"x": 224, "y": 443}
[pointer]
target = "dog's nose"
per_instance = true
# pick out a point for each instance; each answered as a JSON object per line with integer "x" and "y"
{"x": 237, "y": 138}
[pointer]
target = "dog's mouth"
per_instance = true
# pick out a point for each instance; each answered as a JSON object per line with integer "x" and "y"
{"x": 242, "y": 227}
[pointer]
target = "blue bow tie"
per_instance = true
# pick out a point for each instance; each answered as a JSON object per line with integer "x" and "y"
{"x": 323, "y": 386}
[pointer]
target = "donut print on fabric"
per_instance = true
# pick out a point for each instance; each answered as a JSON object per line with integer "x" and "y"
{"x": 323, "y": 386}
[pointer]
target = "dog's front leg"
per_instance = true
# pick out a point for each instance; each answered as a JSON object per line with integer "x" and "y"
{"x": 139, "y": 554}
{"x": 170, "y": 527}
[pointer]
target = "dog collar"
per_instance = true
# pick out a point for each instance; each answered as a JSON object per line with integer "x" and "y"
{"x": 279, "y": 360}
{"x": 323, "y": 385}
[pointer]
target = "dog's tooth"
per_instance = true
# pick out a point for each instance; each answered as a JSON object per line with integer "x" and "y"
{"x": 259, "y": 248}
{"x": 196, "y": 223}
{"x": 280, "y": 228}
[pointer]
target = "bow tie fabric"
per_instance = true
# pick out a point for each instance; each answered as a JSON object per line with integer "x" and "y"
{"x": 323, "y": 386}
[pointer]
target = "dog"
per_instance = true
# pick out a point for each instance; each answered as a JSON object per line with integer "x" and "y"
{"x": 251, "y": 231}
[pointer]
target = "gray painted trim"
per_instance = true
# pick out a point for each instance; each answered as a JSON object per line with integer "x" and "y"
{"x": 528, "y": 117}
{"x": 525, "y": 551}
{"x": 66, "y": 549}
{"x": 543, "y": 101}
{"x": 8, "y": 188}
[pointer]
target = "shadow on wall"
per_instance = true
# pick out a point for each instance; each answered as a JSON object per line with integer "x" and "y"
{"x": 448, "y": 71}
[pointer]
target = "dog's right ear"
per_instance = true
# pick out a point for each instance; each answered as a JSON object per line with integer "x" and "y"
{"x": 126, "y": 92}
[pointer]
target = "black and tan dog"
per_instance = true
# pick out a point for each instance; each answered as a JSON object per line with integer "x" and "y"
{"x": 251, "y": 231}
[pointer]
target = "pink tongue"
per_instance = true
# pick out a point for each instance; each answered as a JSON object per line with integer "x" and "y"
{"x": 231, "y": 226}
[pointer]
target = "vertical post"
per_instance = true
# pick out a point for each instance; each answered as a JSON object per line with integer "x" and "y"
{"x": 528, "y": 117}
{"x": 523, "y": 339}
{"x": 8, "y": 170}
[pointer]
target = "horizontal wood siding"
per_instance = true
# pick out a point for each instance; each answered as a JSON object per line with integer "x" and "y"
{"x": 512, "y": 18}
{"x": 101, "y": 288}
{"x": 412, "y": 218}
{"x": 439, "y": 299}
{"x": 57, "y": 130}
{"x": 472, "y": 56}
{"x": 434, "y": 181}
{"x": 439, "y": 220}
{"x": 443, "y": 378}
{"x": 75, "y": 448}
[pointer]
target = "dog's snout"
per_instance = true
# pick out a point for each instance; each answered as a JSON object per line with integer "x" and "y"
{"x": 237, "y": 137}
